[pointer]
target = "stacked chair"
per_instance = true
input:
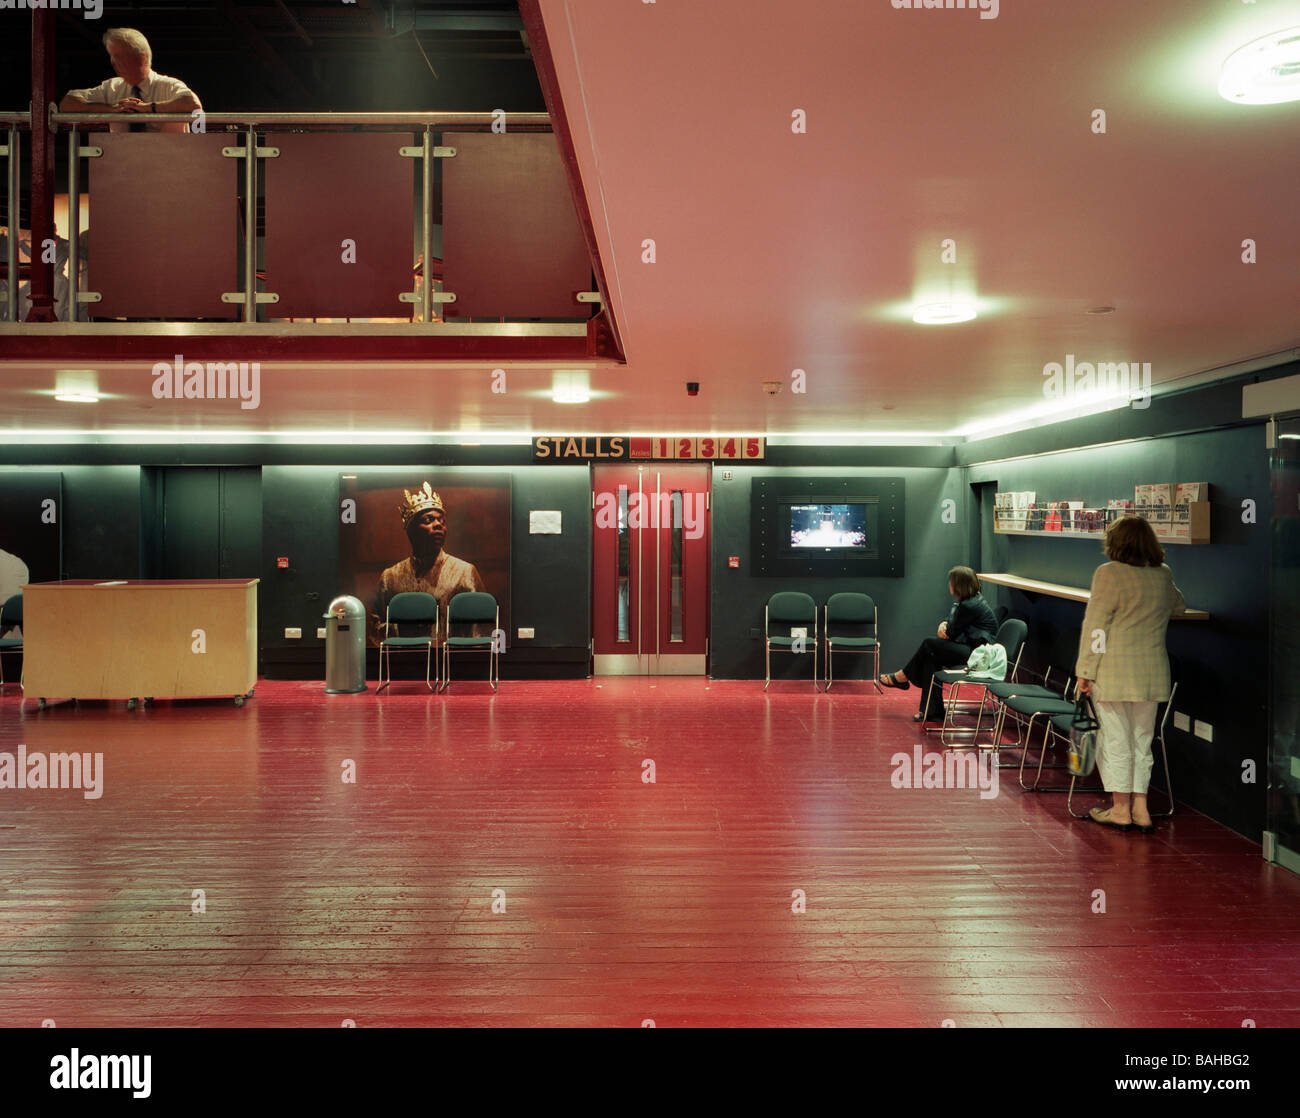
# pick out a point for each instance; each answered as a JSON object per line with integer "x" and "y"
{"x": 1011, "y": 635}
{"x": 1060, "y": 729}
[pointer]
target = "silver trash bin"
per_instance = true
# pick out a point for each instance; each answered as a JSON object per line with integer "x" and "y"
{"x": 345, "y": 647}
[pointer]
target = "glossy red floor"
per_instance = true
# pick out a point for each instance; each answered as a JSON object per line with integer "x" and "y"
{"x": 623, "y": 900}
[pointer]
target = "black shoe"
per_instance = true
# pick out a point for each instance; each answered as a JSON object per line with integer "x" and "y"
{"x": 890, "y": 681}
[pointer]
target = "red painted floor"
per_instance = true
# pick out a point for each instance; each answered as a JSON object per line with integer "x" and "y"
{"x": 624, "y": 900}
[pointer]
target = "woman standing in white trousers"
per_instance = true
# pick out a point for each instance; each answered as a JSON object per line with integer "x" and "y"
{"x": 1123, "y": 664}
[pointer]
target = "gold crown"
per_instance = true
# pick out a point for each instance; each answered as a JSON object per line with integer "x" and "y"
{"x": 420, "y": 501}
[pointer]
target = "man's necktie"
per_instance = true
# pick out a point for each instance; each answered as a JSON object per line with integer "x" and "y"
{"x": 138, "y": 94}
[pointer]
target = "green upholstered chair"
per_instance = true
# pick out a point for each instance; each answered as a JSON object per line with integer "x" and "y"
{"x": 472, "y": 609}
{"x": 783, "y": 614}
{"x": 849, "y": 624}
{"x": 413, "y": 609}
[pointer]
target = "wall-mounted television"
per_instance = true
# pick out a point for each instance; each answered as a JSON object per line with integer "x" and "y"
{"x": 841, "y": 526}
{"x": 820, "y": 526}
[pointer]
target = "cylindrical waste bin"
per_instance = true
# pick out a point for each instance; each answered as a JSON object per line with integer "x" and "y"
{"x": 345, "y": 647}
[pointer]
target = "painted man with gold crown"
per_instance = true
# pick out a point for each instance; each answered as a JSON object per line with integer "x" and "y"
{"x": 428, "y": 569}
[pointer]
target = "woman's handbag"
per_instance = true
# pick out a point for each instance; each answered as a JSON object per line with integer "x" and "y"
{"x": 1081, "y": 757}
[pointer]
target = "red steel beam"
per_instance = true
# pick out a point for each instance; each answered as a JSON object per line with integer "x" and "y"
{"x": 38, "y": 345}
{"x": 531, "y": 12}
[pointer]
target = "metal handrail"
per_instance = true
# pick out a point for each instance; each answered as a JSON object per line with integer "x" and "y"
{"x": 420, "y": 120}
{"x": 14, "y": 157}
{"x": 249, "y": 123}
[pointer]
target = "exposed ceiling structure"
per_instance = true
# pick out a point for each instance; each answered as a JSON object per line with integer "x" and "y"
{"x": 945, "y": 157}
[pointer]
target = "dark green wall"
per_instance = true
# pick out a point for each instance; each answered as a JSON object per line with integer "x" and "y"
{"x": 101, "y": 519}
{"x": 1221, "y": 665}
{"x": 909, "y": 608}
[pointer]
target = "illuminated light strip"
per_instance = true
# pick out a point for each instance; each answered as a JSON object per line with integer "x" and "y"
{"x": 1041, "y": 416}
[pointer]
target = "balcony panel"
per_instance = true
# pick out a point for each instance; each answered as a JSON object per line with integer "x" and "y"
{"x": 511, "y": 243}
{"x": 327, "y": 188}
{"x": 163, "y": 240}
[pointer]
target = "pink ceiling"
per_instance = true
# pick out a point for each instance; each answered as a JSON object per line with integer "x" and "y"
{"x": 779, "y": 251}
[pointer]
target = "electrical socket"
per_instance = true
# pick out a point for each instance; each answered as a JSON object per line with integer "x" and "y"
{"x": 525, "y": 634}
{"x": 293, "y": 634}
{"x": 320, "y": 634}
{"x": 1182, "y": 721}
{"x": 1204, "y": 730}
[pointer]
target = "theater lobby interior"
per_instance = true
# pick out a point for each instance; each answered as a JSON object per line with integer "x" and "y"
{"x": 471, "y": 469}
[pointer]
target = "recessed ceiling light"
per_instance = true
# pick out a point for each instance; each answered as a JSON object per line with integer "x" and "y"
{"x": 77, "y": 397}
{"x": 1263, "y": 72}
{"x": 940, "y": 314}
{"x": 1100, "y": 310}
{"x": 570, "y": 387}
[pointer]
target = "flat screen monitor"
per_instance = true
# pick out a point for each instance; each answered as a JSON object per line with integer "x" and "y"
{"x": 828, "y": 527}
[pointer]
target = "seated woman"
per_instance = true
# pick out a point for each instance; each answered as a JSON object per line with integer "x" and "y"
{"x": 970, "y": 624}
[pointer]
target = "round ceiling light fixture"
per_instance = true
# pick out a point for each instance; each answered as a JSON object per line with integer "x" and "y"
{"x": 1263, "y": 72}
{"x": 76, "y": 397}
{"x": 942, "y": 314}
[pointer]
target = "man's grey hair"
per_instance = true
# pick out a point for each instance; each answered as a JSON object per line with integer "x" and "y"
{"x": 128, "y": 37}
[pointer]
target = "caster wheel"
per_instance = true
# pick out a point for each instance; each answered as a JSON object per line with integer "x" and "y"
{"x": 40, "y": 704}
{"x": 239, "y": 700}
{"x": 148, "y": 701}
{"x": 130, "y": 704}
{"x": 250, "y": 694}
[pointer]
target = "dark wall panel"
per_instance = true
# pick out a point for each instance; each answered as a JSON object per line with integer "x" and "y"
{"x": 1221, "y": 665}
{"x": 101, "y": 521}
{"x": 910, "y": 607}
{"x": 550, "y": 575}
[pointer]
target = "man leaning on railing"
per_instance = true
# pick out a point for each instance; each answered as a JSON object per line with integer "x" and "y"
{"x": 136, "y": 89}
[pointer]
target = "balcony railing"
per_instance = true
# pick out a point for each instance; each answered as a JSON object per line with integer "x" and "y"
{"x": 379, "y": 217}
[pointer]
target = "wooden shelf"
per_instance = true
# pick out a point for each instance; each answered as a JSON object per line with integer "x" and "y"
{"x": 1072, "y": 593}
{"x": 1098, "y": 536}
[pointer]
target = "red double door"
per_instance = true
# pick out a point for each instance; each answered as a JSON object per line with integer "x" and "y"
{"x": 650, "y": 577}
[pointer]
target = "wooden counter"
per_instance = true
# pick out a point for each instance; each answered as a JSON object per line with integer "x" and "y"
{"x": 136, "y": 639}
{"x": 1073, "y": 593}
